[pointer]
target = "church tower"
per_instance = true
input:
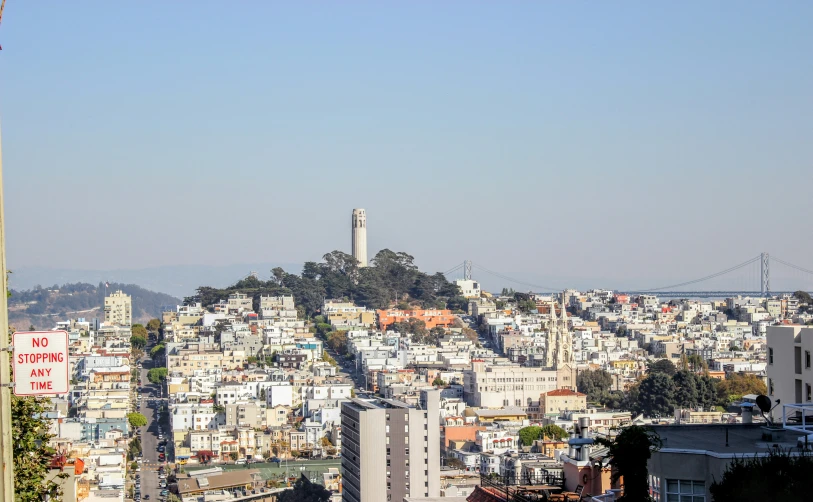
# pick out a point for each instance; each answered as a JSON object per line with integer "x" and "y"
{"x": 564, "y": 340}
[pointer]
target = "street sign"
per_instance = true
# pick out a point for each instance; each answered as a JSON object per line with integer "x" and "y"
{"x": 41, "y": 363}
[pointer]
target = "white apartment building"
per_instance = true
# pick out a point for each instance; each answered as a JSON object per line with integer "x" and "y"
{"x": 469, "y": 288}
{"x": 194, "y": 417}
{"x": 332, "y": 391}
{"x": 118, "y": 309}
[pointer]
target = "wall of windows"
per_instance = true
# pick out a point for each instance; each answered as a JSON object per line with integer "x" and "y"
{"x": 682, "y": 490}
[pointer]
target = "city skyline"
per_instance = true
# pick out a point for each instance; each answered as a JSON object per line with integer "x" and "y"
{"x": 652, "y": 166}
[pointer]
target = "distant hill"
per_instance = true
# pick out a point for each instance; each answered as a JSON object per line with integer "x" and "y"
{"x": 43, "y": 307}
{"x": 176, "y": 280}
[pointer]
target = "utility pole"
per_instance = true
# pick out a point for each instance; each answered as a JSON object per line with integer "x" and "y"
{"x": 6, "y": 445}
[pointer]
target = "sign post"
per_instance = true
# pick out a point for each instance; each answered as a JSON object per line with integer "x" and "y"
{"x": 41, "y": 363}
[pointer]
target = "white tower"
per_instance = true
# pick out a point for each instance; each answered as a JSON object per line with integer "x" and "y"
{"x": 359, "y": 224}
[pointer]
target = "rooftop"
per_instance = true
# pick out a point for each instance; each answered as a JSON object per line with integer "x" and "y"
{"x": 741, "y": 438}
{"x": 562, "y": 392}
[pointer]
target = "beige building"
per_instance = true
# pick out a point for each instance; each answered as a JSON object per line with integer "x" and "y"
{"x": 554, "y": 402}
{"x": 118, "y": 309}
{"x": 790, "y": 375}
{"x": 499, "y": 385}
{"x": 185, "y": 362}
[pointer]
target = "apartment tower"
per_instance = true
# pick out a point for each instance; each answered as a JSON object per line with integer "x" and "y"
{"x": 118, "y": 309}
{"x": 359, "y": 236}
{"x": 390, "y": 450}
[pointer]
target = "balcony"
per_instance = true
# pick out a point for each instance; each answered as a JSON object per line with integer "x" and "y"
{"x": 528, "y": 487}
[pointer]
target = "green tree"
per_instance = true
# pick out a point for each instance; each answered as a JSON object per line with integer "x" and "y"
{"x": 158, "y": 351}
{"x": 157, "y": 375}
{"x": 595, "y": 383}
{"x": 697, "y": 363}
{"x": 326, "y": 357}
{"x": 337, "y": 340}
{"x": 527, "y": 435}
{"x": 438, "y": 382}
{"x": 305, "y": 491}
{"x": 629, "y": 453}
{"x": 136, "y": 420}
{"x": 687, "y": 391}
{"x": 139, "y": 330}
{"x": 32, "y": 455}
{"x": 778, "y": 476}
{"x": 154, "y": 325}
{"x": 138, "y": 342}
{"x": 233, "y": 456}
{"x": 656, "y": 395}
{"x": 664, "y": 366}
{"x": 737, "y": 385}
{"x": 803, "y": 297}
{"x": 552, "y": 431}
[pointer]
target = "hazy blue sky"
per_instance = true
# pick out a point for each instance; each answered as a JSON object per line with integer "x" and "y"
{"x": 629, "y": 142}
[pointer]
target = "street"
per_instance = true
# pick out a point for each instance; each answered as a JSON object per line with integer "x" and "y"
{"x": 149, "y": 434}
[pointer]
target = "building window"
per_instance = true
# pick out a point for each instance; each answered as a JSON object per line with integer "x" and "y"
{"x": 809, "y": 392}
{"x": 770, "y": 355}
{"x": 685, "y": 491}
{"x": 807, "y": 359}
{"x": 770, "y": 386}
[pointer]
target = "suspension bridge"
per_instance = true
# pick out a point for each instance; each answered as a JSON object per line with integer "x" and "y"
{"x": 749, "y": 278}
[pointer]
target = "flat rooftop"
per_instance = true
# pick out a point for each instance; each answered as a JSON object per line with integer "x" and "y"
{"x": 742, "y": 438}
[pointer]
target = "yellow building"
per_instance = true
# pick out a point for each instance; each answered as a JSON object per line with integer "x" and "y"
{"x": 554, "y": 402}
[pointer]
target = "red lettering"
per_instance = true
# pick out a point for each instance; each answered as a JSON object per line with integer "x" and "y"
{"x": 39, "y": 342}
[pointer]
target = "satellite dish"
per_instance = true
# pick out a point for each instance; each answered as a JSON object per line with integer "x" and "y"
{"x": 764, "y": 403}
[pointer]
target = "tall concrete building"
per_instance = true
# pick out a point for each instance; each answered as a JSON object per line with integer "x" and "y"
{"x": 390, "y": 450}
{"x": 118, "y": 309}
{"x": 359, "y": 222}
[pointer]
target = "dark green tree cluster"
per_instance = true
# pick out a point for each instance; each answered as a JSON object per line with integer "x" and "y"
{"x": 659, "y": 393}
{"x": 598, "y": 384}
{"x": 778, "y": 476}
{"x": 391, "y": 278}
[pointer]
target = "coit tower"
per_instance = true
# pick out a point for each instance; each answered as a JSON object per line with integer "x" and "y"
{"x": 359, "y": 223}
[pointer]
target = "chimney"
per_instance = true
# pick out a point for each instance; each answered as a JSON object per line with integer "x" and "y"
{"x": 584, "y": 427}
{"x": 747, "y": 414}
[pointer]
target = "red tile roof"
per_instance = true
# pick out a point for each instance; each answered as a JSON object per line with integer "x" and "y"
{"x": 562, "y": 392}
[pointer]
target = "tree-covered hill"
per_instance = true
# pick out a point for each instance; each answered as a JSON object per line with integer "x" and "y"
{"x": 42, "y": 307}
{"x": 391, "y": 279}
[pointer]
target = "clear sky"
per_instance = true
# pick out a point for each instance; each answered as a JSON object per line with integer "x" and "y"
{"x": 624, "y": 141}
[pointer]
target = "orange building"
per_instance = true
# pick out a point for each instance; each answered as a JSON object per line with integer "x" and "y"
{"x": 432, "y": 318}
{"x": 452, "y": 433}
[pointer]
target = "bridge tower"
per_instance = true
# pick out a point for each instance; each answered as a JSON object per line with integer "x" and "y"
{"x": 467, "y": 270}
{"x": 765, "y": 269}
